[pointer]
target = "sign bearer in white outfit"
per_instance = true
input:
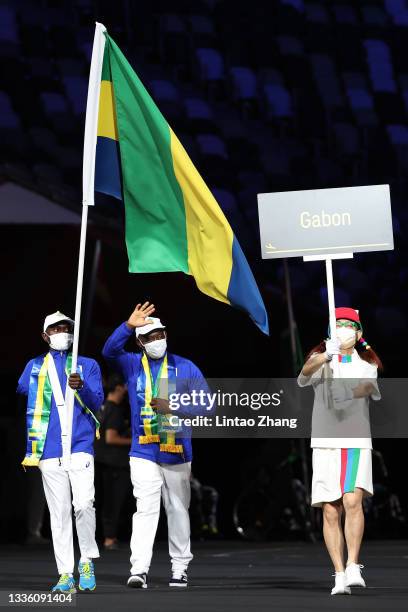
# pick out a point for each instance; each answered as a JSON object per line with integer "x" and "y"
{"x": 161, "y": 453}
{"x": 341, "y": 440}
{"x": 67, "y": 473}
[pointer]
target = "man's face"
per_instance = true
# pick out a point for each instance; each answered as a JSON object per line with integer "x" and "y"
{"x": 156, "y": 334}
{"x": 62, "y": 327}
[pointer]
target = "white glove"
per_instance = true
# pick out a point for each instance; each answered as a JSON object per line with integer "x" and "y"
{"x": 332, "y": 347}
{"x": 341, "y": 393}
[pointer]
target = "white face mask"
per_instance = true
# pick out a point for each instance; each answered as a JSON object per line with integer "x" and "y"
{"x": 346, "y": 336}
{"x": 61, "y": 341}
{"x": 156, "y": 349}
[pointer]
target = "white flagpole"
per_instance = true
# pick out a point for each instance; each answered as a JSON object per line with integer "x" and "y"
{"x": 88, "y": 184}
{"x": 92, "y": 113}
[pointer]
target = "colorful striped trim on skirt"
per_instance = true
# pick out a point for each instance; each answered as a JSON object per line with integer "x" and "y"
{"x": 350, "y": 458}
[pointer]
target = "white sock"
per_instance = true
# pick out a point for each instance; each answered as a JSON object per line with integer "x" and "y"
{"x": 85, "y": 560}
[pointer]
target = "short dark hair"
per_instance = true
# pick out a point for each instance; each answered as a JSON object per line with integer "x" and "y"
{"x": 114, "y": 380}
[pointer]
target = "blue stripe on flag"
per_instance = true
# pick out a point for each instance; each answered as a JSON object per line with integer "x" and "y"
{"x": 243, "y": 291}
{"x": 107, "y": 167}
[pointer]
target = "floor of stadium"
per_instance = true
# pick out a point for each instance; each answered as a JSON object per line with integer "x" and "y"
{"x": 225, "y": 576}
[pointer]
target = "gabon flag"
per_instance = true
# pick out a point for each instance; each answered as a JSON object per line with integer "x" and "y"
{"x": 173, "y": 222}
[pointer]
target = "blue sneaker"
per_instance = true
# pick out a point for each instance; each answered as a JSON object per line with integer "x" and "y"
{"x": 87, "y": 580}
{"x": 65, "y": 584}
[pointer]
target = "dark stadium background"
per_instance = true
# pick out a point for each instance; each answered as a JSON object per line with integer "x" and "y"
{"x": 265, "y": 96}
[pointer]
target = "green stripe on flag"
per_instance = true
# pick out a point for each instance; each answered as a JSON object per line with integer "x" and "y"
{"x": 156, "y": 235}
{"x": 106, "y": 71}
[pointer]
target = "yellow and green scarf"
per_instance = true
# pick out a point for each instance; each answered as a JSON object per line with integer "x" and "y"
{"x": 39, "y": 407}
{"x": 156, "y": 428}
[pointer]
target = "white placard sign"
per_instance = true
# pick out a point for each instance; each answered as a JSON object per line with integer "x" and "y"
{"x": 325, "y": 221}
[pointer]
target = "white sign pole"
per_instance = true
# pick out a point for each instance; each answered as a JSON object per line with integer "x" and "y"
{"x": 88, "y": 182}
{"x": 330, "y": 295}
{"x": 332, "y": 311}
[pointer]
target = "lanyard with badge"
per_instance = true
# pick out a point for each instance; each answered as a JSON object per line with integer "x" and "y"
{"x": 163, "y": 422}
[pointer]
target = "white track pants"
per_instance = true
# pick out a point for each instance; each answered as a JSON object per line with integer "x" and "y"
{"x": 58, "y": 484}
{"x": 151, "y": 481}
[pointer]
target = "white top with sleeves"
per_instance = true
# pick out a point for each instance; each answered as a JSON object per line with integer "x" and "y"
{"x": 346, "y": 424}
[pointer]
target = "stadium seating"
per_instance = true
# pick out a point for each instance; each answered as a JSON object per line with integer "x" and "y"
{"x": 292, "y": 95}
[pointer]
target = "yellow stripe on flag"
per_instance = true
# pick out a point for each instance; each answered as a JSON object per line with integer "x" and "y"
{"x": 209, "y": 236}
{"x": 107, "y": 126}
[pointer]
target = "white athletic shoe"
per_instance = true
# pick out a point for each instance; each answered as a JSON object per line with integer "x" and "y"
{"x": 137, "y": 581}
{"x": 178, "y": 579}
{"x": 340, "y": 587}
{"x": 353, "y": 575}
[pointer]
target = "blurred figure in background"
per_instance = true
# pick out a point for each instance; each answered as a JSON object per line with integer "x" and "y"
{"x": 204, "y": 503}
{"x": 35, "y": 508}
{"x": 112, "y": 458}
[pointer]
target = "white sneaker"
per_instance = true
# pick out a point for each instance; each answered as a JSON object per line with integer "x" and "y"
{"x": 179, "y": 579}
{"x": 137, "y": 581}
{"x": 353, "y": 575}
{"x": 340, "y": 587}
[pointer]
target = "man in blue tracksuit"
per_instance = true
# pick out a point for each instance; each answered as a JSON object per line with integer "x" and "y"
{"x": 161, "y": 454}
{"x": 45, "y": 381}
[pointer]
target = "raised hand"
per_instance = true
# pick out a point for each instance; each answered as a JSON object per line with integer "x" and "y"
{"x": 139, "y": 316}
